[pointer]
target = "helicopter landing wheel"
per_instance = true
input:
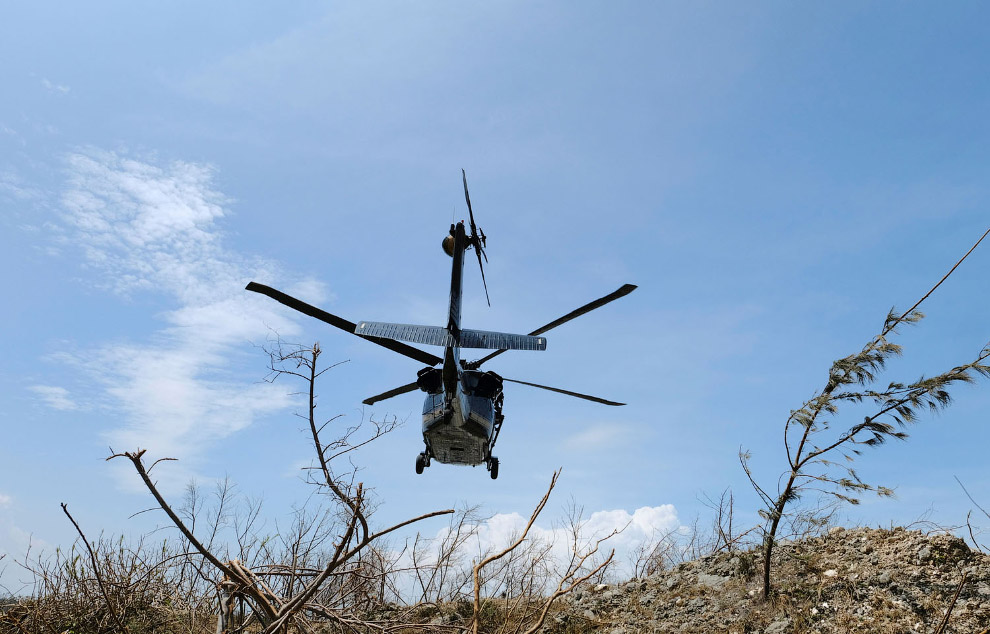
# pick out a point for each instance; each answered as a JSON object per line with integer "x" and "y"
{"x": 493, "y": 467}
{"x": 421, "y": 463}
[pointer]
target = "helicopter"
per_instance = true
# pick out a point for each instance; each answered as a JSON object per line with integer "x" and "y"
{"x": 462, "y": 412}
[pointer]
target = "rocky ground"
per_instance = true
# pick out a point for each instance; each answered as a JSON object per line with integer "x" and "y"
{"x": 850, "y": 580}
{"x": 856, "y": 580}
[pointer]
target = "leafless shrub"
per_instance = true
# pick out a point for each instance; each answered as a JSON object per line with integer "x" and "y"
{"x": 661, "y": 551}
{"x": 439, "y": 565}
{"x": 725, "y": 535}
{"x": 113, "y": 585}
{"x": 666, "y": 549}
{"x": 323, "y": 571}
{"x": 523, "y": 585}
{"x": 973, "y": 530}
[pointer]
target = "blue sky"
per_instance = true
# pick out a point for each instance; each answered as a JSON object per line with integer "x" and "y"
{"x": 774, "y": 177}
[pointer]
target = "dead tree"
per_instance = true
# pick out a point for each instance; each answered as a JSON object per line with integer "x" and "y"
{"x": 298, "y": 601}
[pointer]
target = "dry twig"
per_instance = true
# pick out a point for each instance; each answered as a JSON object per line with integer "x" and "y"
{"x": 96, "y": 571}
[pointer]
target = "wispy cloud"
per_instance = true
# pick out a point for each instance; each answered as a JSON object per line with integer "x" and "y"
{"x": 148, "y": 227}
{"x": 53, "y": 87}
{"x": 145, "y": 225}
{"x": 14, "y": 187}
{"x": 5, "y": 500}
{"x": 55, "y": 397}
{"x": 598, "y": 436}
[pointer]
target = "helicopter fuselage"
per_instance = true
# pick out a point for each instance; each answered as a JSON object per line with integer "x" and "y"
{"x": 462, "y": 410}
{"x": 459, "y": 430}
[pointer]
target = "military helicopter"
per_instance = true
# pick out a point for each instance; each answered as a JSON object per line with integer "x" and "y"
{"x": 462, "y": 413}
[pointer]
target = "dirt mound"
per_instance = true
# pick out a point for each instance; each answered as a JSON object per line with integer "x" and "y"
{"x": 856, "y": 580}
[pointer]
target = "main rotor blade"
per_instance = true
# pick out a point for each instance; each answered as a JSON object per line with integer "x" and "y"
{"x": 586, "y": 397}
{"x": 467, "y": 199}
{"x": 624, "y": 290}
{"x": 343, "y": 324}
{"x": 409, "y": 387}
{"x": 478, "y": 252}
{"x": 475, "y": 240}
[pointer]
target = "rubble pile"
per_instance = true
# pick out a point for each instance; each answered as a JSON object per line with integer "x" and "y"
{"x": 850, "y": 580}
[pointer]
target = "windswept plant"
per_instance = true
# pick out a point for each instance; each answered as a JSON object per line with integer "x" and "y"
{"x": 814, "y": 437}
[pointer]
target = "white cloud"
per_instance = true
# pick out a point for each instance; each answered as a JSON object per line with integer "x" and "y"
{"x": 55, "y": 397}
{"x": 311, "y": 291}
{"x": 598, "y": 436}
{"x": 633, "y": 529}
{"x": 5, "y": 500}
{"x": 149, "y": 227}
{"x": 14, "y": 187}
{"x": 146, "y": 225}
{"x": 53, "y": 87}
